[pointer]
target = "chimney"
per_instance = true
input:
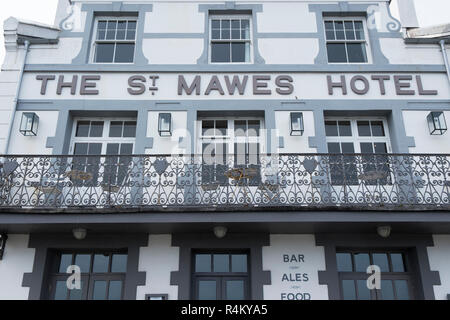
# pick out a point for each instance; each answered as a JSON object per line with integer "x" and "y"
{"x": 407, "y": 14}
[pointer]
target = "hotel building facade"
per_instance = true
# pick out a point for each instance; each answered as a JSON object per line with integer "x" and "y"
{"x": 225, "y": 150}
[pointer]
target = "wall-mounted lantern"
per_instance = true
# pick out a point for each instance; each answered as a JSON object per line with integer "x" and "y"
{"x": 3, "y": 238}
{"x": 165, "y": 124}
{"x": 29, "y": 124}
{"x": 436, "y": 123}
{"x": 297, "y": 125}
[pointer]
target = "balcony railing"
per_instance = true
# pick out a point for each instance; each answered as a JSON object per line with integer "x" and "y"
{"x": 397, "y": 181}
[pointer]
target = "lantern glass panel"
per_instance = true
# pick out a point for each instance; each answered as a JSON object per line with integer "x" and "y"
{"x": 297, "y": 126}
{"x": 29, "y": 124}
{"x": 165, "y": 124}
{"x": 436, "y": 123}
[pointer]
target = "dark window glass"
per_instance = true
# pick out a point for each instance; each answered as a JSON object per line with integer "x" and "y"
{"x": 84, "y": 262}
{"x": 126, "y": 149}
{"x": 397, "y": 262}
{"x": 76, "y": 294}
{"x": 102, "y": 24}
{"x": 221, "y": 127}
{"x": 215, "y": 24}
{"x": 80, "y": 149}
{"x": 380, "y": 147}
{"x": 215, "y": 34}
{"x": 387, "y": 290}
{"x": 349, "y": 32}
{"x": 220, "y": 52}
{"x": 359, "y": 30}
{"x": 344, "y": 262}
{"x": 99, "y": 290}
{"x": 253, "y": 128}
{"x": 235, "y": 290}
{"x": 239, "y": 263}
{"x": 339, "y": 26}
{"x": 336, "y": 52}
{"x": 401, "y": 289}
{"x": 208, "y": 127}
{"x": 82, "y": 129}
{"x": 66, "y": 261}
{"x": 356, "y": 52}
{"x": 203, "y": 263}
{"x": 377, "y": 129}
{"x": 207, "y": 290}
{"x": 115, "y": 290}
{"x": 131, "y": 35}
{"x": 112, "y": 149}
{"x": 104, "y": 52}
{"x": 363, "y": 290}
{"x": 96, "y": 129}
{"x": 381, "y": 260}
{"x": 238, "y": 52}
{"x": 334, "y": 147}
{"x": 115, "y": 130}
{"x": 363, "y": 128}
{"x": 347, "y": 147}
{"x": 132, "y": 25}
{"x": 101, "y": 263}
{"x": 345, "y": 129}
{"x": 366, "y": 147}
{"x": 124, "y": 53}
{"x": 348, "y": 289}
{"x": 119, "y": 263}
{"x": 61, "y": 290}
{"x": 221, "y": 263}
{"x": 362, "y": 261}
{"x": 331, "y": 128}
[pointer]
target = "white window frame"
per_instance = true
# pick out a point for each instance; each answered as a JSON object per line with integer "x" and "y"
{"x": 94, "y": 41}
{"x": 230, "y": 138}
{"x": 355, "y": 138}
{"x": 250, "y": 40}
{"x": 104, "y": 139}
{"x": 366, "y": 41}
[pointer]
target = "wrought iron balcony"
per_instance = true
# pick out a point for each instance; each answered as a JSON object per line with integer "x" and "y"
{"x": 360, "y": 181}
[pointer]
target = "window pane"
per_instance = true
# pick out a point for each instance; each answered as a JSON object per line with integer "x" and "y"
{"x": 344, "y": 262}
{"x": 236, "y": 34}
{"x": 132, "y": 25}
{"x": 99, "y": 290}
{"x": 377, "y": 129}
{"x": 215, "y": 24}
{"x": 112, "y": 25}
{"x": 221, "y": 263}
{"x": 226, "y": 34}
{"x": 380, "y": 147}
{"x": 336, "y": 52}
{"x": 397, "y": 262}
{"x": 225, "y": 24}
{"x": 334, "y": 147}
{"x": 203, "y": 263}
{"x": 101, "y": 34}
{"x": 363, "y": 290}
{"x": 339, "y": 26}
{"x": 104, "y": 52}
{"x": 65, "y": 262}
{"x": 238, "y": 52}
{"x": 239, "y": 263}
{"x": 61, "y": 290}
{"x": 126, "y": 149}
{"x": 331, "y": 128}
{"x": 115, "y": 290}
{"x": 215, "y": 34}
{"x": 94, "y": 149}
{"x": 208, "y": 127}
{"x": 220, "y": 52}
{"x": 240, "y": 128}
{"x": 96, "y": 129}
{"x": 356, "y": 52}
{"x": 76, "y": 294}
{"x": 253, "y": 128}
{"x": 120, "y": 35}
{"x": 348, "y": 289}
{"x": 124, "y": 53}
{"x": 349, "y": 32}
{"x": 330, "y": 34}
{"x": 235, "y": 290}
{"x": 119, "y": 263}
{"x": 110, "y": 34}
{"x": 101, "y": 263}
{"x": 102, "y": 24}
{"x": 362, "y": 261}
{"x": 245, "y": 25}
{"x": 207, "y": 290}
{"x": 345, "y": 130}
{"x": 115, "y": 129}
{"x": 221, "y": 127}
{"x": 387, "y": 290}
{"x": 366, "y": 147}
{"x": 84, "y": 262}
{"x": 112, "y": 149}
{"x": 131, "y": 35}
{"x": 80, "y": 149}
{"x": 381, "y": 260}
{"x": 363, "y": 129}
{"x": 401, "y": 289}
{"x": 82, "y": 129}
{"x": 347, "y": 147}
{"x": 359, "y": 30}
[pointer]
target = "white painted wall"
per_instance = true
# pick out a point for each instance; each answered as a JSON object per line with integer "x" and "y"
{"x": 167, "y": 145}
{"x": 289, "y": 51}
{"x": 48, "y": 121}
{"x": 399, "y": 53}
{"x": 158, "y": 260}
{"x": 62, "y": 53}
{"x": 8, "y": 87}
{"x": 175, "y": 18}
{"x": 439, "y": 257}
{"x": 295, "y": 144}
{"x": 173, "y": 51}
{"x": 17, "y": 260}
{"x": 417, "y": 126}
{"x": 314, "y": 261}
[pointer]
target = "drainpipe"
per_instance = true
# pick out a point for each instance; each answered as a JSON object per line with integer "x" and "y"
{"x": 16, "y": 99}
{"x": 444, "y": 54}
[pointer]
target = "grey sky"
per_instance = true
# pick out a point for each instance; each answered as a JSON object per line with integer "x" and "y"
{"x": 430, "y": 12}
